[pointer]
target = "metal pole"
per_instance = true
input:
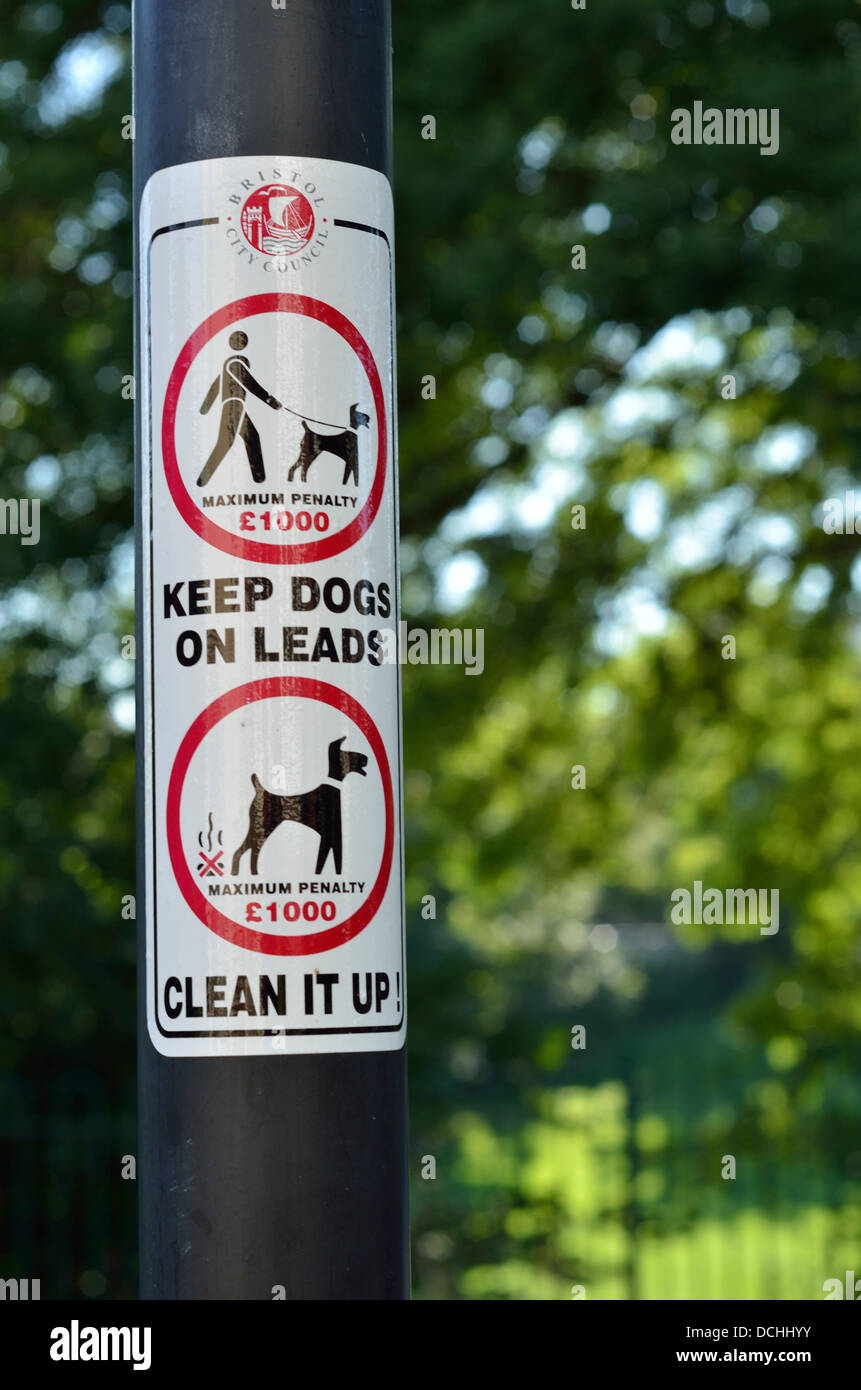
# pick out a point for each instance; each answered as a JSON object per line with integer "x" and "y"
{"x": 268, "y": 1166}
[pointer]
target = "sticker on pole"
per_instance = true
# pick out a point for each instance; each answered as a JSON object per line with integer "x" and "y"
{"x": 272, "y": 887}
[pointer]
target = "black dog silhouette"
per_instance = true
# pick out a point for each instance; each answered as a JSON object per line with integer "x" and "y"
{"x": 319, "y": 809}
{"x": 344, "y": 446}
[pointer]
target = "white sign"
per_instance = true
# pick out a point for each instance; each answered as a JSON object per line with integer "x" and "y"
{"x": 271, "y": 703}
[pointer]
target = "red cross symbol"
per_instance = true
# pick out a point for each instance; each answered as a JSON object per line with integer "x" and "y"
{"x": 210, "y": 866}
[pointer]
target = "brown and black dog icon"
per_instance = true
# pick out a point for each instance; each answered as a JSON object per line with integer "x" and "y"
{"x": 344, "y": 446}
{"x": 319, "y": 809}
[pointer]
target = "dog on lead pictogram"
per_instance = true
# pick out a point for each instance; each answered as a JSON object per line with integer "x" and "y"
{"x": 235, "y": 380}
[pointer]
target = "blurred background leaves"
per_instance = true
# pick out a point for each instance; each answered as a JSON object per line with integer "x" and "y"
{"x": 605, "y": 388}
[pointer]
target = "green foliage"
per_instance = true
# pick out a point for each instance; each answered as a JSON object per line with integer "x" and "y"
{"x": 603, "y": 645}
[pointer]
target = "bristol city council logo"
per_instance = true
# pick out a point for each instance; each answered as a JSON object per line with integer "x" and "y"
{"x": 277, "y": 220}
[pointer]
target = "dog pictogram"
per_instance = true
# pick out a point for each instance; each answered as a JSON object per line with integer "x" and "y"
{"x": 319, "y": 809}
{"x": 344, "y": 446}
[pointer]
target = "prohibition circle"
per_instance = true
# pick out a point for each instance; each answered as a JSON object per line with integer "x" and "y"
{"x": 304, "y": 551}
{"x": 267, "y": 942}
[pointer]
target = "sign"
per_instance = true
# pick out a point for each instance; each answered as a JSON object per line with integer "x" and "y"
{"x": 273, "y": 879}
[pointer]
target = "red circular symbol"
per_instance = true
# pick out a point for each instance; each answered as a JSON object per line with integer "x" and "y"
{"x": 304, "y": 551}
{"x": 277, "y": 220}
{"x": 266, "y": 942}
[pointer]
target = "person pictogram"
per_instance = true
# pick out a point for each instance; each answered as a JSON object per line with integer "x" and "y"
{"x": 235, "y": 379}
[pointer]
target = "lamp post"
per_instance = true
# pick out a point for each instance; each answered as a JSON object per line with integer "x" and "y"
{"x": 272, "y": 1095}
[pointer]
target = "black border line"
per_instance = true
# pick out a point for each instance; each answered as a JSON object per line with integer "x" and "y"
{"x": 275, "y": 1032}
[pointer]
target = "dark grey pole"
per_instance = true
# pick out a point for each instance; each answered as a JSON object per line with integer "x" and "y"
{"x": 262, "y": 1171}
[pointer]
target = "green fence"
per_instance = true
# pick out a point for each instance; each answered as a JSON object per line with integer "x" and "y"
{"x": 608, "y": 1188}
